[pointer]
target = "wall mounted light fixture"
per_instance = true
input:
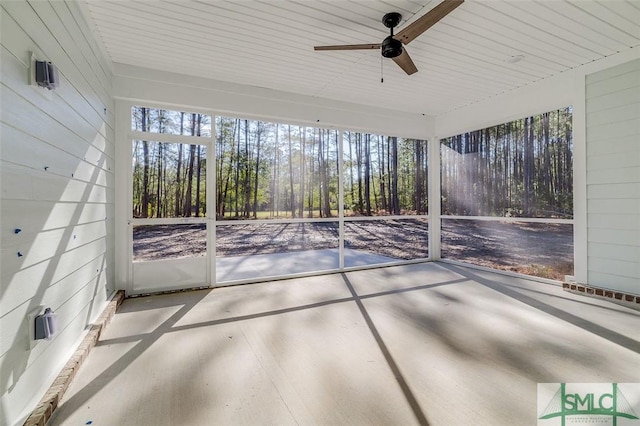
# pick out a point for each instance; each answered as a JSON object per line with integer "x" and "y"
{"x": 46, "y": 75}
{"x": 43, "y": 75}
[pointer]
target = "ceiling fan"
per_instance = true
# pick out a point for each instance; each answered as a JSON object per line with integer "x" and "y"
{"x": 391, "y": 47}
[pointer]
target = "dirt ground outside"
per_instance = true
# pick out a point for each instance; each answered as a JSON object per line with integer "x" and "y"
{"x": 538, "y": 249}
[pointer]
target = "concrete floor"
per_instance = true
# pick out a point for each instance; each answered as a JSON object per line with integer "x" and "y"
{"x": 233, "y": 268}
{"x": 425, "y": 343}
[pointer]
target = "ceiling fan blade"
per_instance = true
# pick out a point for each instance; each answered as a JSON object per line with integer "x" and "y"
{"x": 349, "y": 47}
{"x": 416, "y": 28}
{"x": 405, "y": 62}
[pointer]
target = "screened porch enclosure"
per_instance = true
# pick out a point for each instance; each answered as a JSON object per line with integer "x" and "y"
{"x": 218, "y": 200}
{"x": 507, "y": 196}
{"x": 198, "y": 143}
{"x": 261, "y": 200}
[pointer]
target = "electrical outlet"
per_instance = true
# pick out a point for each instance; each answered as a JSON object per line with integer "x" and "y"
{"x": 31, "y": 325}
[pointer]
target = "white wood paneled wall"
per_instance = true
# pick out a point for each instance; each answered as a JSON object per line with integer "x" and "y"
{"x": 613, "y": 177}
{"x": 57, "y": 171}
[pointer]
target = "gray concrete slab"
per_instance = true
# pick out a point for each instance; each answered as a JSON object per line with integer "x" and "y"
{"x": 416, "y": 344}
{"x": 232, "y": 268}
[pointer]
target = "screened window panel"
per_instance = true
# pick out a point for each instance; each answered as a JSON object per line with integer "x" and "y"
{"x": 384, "y": 175}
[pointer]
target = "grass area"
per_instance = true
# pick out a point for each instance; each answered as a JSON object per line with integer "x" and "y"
{"x": 281, "y": 214}
{"x": 553, "y": 272}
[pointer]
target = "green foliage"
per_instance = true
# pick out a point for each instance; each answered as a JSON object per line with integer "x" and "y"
{"x": 523, "y": 168}
{"x": 169, "y": 179}
{"x": 269, "y": 170}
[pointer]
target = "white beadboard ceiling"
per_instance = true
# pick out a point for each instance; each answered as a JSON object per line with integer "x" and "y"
{"x": 462, "y": 59}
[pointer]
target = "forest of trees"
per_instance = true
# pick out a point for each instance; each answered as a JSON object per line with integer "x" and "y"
{"x": 169, "y": 179}
{"x": 269, "y": 170}
{"x": 523, "y": 168}
{"x": 384, "y": 175}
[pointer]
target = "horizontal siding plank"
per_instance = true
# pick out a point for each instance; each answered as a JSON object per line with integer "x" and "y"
{"x": 614, "y": 251}
{"x": 614, "y": 236}
{"x": 614, "y": 191}
{"x": 18, "y": 44}
{"x": 615, "y": 84}
{"x": 72, "y": 307}
{"x": 613, "y": 178}
{"x": 613, "y": 72}
{"x": 612, "y": 100}
{"x": 57, "y": 177}
{"x": 22, "y": 285}
{"x": 621, "y": 175}
{"x": 33, "y": 254}
{"x": 67, "y": 307}
{"x": 607, "y": 146}
{"x": 621, "y": 268}
{"x": 614, "y": 221}
{"x": 65, "y": 239}
{"x": 44, "y": 41}
{"x": 66, "y": 104}
{"x": 614, "y": 282}
{"x": 43, "y": 24}
{"x": 40, "y": 369}
{"x": 55, "y": 268}
{"x": 612, "y": 131}
{"x": 34, "y": 216}
{"x": 613, "y": 160}
{"x": 628, "y": 206}
{"x": 614, "y": 115}
{"x": 25, "y": 150}
{"x": 35, "y": 122}
{"x": 19, "y": 183}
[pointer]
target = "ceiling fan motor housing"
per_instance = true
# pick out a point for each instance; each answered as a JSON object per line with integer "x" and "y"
{"x": 391, "y": 47}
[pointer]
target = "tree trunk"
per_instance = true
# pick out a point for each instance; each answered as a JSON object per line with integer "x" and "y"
{"x": 359, "y": 164}
{"x": 367, "y": 173}
{"x": 325, "y": 183}
{"x": 381, "y": 174}
{"x": 145, "y": 175}
{"x": 179, "y": 170}
{"x": 418, "y": 184}
{"x": 187, "y": 199}
{"x": 257, "y": 173}
{"x": 303, "y": 132}
{"x": 159, "y": 183}
{"x": 247, "y": 172}
{"x": 394, "y": 172}
{"x": 198, "y": 171}
{"x": 276, "y": 172}
{"x": 312, "y": 173}
{"x": 292, "y": 195}
{"x": 237, "y": 169}
{"x": 528, "y": 165}
{"x": 192, "y": 157}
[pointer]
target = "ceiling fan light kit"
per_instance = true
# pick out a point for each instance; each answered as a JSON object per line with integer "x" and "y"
{"x": 392, "y": 46}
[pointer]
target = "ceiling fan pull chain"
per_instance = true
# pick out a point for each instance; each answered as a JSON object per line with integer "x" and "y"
{"x": 381, "y": 69}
